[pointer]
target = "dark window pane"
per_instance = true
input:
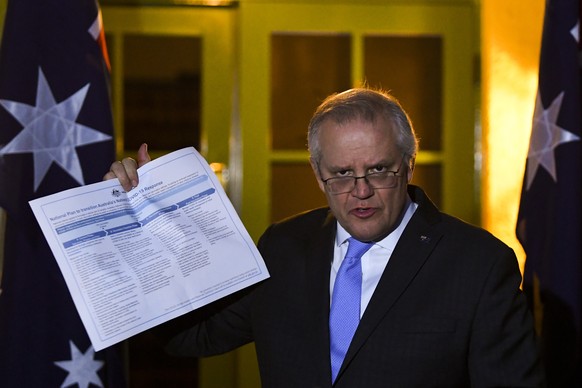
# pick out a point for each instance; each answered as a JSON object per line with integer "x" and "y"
{"x": 162, "y": 91}
{"x": 429, "y": 177}
{"x": 304, "y": 70}
{"x": 293, "y": 190}
{"x": 410, "y": 67}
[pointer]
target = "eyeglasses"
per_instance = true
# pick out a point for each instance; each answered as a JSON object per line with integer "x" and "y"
{"x": 376, "y": 180}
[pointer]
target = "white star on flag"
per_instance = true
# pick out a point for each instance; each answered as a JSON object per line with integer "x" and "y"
{"x": 82, "y": 368}
{"x": 545, "y": 137}
{"x": 575, "y": 31}
{"x": 50, "y": 131}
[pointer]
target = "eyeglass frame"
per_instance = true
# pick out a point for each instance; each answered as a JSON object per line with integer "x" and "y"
{"x": 365, "y": 177}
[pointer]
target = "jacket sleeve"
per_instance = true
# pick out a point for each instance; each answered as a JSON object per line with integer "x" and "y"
{"x": 214, "y": 329}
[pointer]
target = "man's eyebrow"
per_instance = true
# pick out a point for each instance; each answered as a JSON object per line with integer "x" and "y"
{"x": 334, "y": 169}
{"x": 385, "y": 162}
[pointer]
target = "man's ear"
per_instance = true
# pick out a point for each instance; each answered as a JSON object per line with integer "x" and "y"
{"x": 315, "y": 168}
{"x": 410, "y": 169}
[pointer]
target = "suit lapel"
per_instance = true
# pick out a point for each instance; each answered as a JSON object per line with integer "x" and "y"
{"x": 319, "y": 255}
{"x": 412, "y": 250}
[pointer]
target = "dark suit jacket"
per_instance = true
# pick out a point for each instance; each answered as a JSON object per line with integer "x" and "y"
{"x": 447, "y": 312}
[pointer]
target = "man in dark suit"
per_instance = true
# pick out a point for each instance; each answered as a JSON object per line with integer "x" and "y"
{"x": 438, "y": 300}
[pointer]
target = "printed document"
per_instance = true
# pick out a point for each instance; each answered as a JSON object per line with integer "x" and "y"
{"x": 133, "y": 260}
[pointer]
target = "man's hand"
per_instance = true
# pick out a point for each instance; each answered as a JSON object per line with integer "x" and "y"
{"x": 126, "y": 169}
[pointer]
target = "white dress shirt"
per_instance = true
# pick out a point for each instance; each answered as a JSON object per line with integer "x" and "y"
{"x": 374, "y": 260}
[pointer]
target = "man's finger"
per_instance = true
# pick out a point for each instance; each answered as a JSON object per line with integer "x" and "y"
{"x": 118, "y": 170}
{"x": 143, "y": 156}
{"x": 125, "y": 170}
{"x": 130, "y": 170}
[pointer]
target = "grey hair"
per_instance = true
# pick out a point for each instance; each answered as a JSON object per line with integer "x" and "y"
{"x": 368, "y": 105}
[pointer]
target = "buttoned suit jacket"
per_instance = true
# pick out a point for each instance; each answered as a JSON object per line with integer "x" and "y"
{"x": 447, "y": 312}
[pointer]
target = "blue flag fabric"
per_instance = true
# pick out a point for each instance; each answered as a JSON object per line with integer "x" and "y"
{"x": 549, "y": 220}
{"x": 55, "y": 133}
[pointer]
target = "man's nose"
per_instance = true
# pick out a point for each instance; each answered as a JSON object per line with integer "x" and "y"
{"x": 362, "y": 188}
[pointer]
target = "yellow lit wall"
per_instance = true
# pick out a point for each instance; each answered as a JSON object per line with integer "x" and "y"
{"x": 511, "y": 37}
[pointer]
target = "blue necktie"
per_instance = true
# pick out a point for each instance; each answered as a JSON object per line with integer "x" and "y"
{"x": 344, "y": 315}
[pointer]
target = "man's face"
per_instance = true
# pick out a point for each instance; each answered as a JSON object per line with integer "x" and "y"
{"x": 357, "y": 148}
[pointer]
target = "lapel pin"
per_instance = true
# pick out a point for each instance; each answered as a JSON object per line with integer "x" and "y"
{"x": 424, "y": 239}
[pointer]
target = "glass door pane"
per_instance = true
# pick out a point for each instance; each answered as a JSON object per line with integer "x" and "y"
{"x": 305, "y": 68}
{"x": 162, "y": 91}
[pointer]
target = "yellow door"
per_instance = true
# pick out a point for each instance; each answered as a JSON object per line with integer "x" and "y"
{"x": 294, "y": 53}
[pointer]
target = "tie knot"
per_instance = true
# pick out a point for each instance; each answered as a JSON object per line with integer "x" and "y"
{"x": 356, "y": 248}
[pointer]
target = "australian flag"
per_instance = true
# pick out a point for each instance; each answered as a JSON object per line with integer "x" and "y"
{"x": 549, "y": 221}
{"x": 56, "y": 133}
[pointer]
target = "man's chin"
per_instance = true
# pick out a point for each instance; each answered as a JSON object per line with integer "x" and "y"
{"x": 365, "y": 234}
